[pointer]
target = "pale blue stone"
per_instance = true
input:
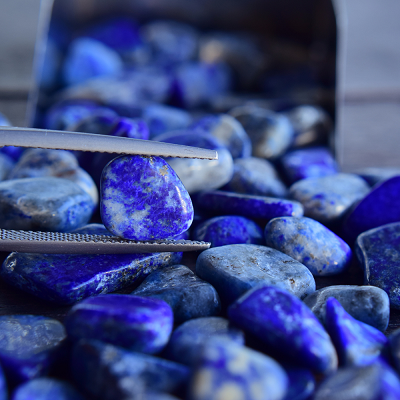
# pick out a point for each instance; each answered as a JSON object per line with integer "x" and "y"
{"x": 368, "y": 304}
{"x": 236, "y": 268}
{"x": 227, "y": 370}
{"x": 310, "y": 243}
{"x": 44, "y": 204}
{"x": 256, "y": 176}
{"x": 327, "y": 199}
{"x": 187, "y": 340}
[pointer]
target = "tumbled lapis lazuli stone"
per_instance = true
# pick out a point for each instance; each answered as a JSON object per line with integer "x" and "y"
{"x": 221, "y": 231}
{"x": 378, "y": 251}
{"x": 188, "y": 339}
{"x": 368, "y": 304}
{"x": 301, "y": 383}
{"x": 137, "y": 323}
{"x": 109, "y": 372}
{"x": 227, "y": 370}
{"x": 46, "y": 389}
{"x": 46, "y": 204}
{"x": 357, "y": 344}
{"x": 189, "y": 296}
{"x": 29, "y": 345}
{"x": 255, "y": 176}
{"x": 327, "y": 199}
{"x": 236, "y": 268}
{"x": 227, "y": 203}
{"x": 142, "y": 198}
{"x": 68, "y": 278}
{"x": 310, "y": 243}
{"x": 286, "y": 326}
{"x": 377, "y": 208}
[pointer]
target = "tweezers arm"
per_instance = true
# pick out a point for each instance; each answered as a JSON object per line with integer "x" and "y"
{"x": 48, "y": 139}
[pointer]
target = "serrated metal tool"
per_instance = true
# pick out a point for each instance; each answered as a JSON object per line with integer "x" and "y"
{"x": 69, "y": 243}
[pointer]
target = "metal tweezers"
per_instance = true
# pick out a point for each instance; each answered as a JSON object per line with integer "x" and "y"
{"x": 70, "y": 243}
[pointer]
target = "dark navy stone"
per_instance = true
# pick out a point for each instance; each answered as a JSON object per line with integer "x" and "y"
{"x": 161, "y": 118}
{"x": 228, "y": 131}
{"x": 376, "y": 381}
{"x": 68, "y": 278}
{"x": 197, "y": 175}
{"x": 88, "y": 58}
{"x": 309, "y": 242}
{"x": 271, "y": 133}
{"x": 287, "y": 327}
{"x": 3, "y": 385}
{"x": 196, "y": 83}
{"x": 142, "y": 198}
{"x": 227, "y": 370}
{"x": 171, "y": 41}
{"x": 109, "y": 372}
{"x": 221, "y": 231}
{"x": 29, "y": 345}
{"x": 394, "y": 346}
{"x": 374, "y": 175}
{"x": 312, "y": 125}
{"x": 301, "y": 383}
{"x": 378, "y": 251}
{"x": 6, "y": 165}
{"x": 357, "y": 344}
{"x": 44, "y": 204}
{"x": 136, "y": 323}
{"x": 377, "y": 208}
{"x": 327, "y": 199}
{"x": 46, "y": 389}
{"x": 314, "y": 162}
{"x": 189, "y": 296}
{"x": 236, "y": 268}
{"x": 187, "y": 340}
{"x": 250, "y": 206}
{"x": 256, "y": 176}
{"x": 368, "y": 304}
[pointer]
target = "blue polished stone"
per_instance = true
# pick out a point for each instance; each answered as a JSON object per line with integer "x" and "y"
{"x": 378, "y": 251}
{"x": 357, "y": 344}
{"x": 377, "y": 208}
{"x": 136, "y": 323}
{"x": 197, "y": 175}
{"x": 314, "y": 162}
{"x": 93, "y": 229}
{"x": 88, "y": 58}
{"x": 44, "y": 204}
{"x": 142, "y": 198}
{"x": 256, "y": 176}
{"x": 236, "y": 268}
{"x": 368, "y": 304}
{"x": 196, "y": 83}
{"x": 286, "y": 326}
{"x": 309, "y": 242}
{"x": 228, "y": 131}
{"x": 189, "y": 296}
{"x": 327, "y": 199}
{"x": 187, "y": 340}
{"x": 46, "y": 389}
{"x": 271, "y": 133}
{"x": 221, "y": 231}
{"x": 68, "y": 278}
{"x": 227, "y": 370}
{"x": 312, "y": 125}
{"x": 171, "y": 41}
{"x": 250, "y": 206}
{"x": 301, "y": 383}
{"x": 109, "y": 372}
{"x": 29, "y": 345}
{"x": 162, "y": 118}
{"x": 376, "y": 381}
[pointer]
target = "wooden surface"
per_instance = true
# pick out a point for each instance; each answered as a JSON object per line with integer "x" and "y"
{"x": 371, "y": 135}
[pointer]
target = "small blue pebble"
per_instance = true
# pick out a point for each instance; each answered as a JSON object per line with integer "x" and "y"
{"x": 221, "y": 231}
{"x": 189, "y": 296}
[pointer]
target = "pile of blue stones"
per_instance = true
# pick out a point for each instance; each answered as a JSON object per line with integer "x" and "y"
{"x": 240, "y": 321}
